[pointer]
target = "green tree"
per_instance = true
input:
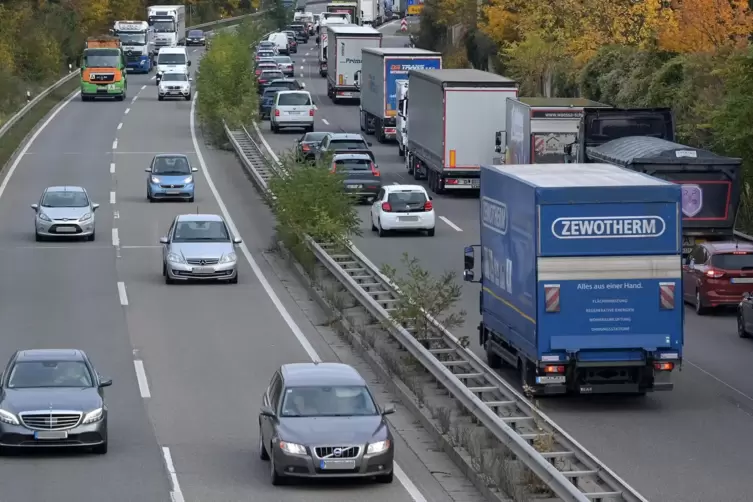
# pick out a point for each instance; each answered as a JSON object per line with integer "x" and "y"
{"x": 279, "y": 16}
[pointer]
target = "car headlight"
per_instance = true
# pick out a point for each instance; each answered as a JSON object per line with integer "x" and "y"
{"x": 229, "y": 258}
{"x": 155, "y": 179}
{"x": 93, "y": 416}
{"x": 378, "y": 447}
{"x": 44, "y": 217}
{"x": 295, "y": 449}
{"x": 8, "y": 418}
{"x": 188, "y": 180}
{"x": 86, "y": 217}
{"x": 175, "y": 258}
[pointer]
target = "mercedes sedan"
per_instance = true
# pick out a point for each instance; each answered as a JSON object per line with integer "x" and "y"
{"x": 199, "y": 247}
{"x": 52, "y": 398}
{"x": 321, "y": 420}
{"x": 64, "y": 211}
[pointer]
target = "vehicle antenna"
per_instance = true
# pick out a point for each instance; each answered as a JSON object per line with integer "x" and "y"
{"x": 737, "y": 243}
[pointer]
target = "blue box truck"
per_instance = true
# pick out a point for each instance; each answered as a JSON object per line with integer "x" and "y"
{"x": 581, "y": 277}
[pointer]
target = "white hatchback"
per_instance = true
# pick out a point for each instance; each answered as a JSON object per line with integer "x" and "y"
{"x": 402, "y": 207}
{"x": 292, "y": 109}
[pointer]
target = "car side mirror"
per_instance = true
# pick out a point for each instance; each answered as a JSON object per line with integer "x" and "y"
{"x": 303, "y": 86}
{"x": 105, "y": 382}
{"x": 194, "y": 169}
{"x": 368, "y": 143}
{"x": 266, "y": 411}
{"x": 189, "y": 63}
{"x": 388, "y": 410}
{"x": 35, "y": 207}
{"x": 95, "y": 207}
{"x": 498, "y": 138}
{"x": 431, "y": 198}
{"x": 163, "y": 240}
{"x": 190, "y": 79}
{"x": 237, "y": 240}
{"x": 148, "y": 170}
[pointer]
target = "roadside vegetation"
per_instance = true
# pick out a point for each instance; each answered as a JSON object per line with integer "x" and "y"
{"x": 691, "y": 55}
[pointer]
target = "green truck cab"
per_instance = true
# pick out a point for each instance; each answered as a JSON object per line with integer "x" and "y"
{"x": 103, "y": 69}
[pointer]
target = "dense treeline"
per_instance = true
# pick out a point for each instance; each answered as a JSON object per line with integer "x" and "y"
{"x": 39, "y": 38}
{"x": 691, "y": 55}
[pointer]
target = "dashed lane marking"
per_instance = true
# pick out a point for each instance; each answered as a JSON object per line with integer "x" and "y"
{"x": 112, "y": 167}
{"x": 451, "y": 224}
{"x": 122, "y": 294}
{"x": 112, "y": 197}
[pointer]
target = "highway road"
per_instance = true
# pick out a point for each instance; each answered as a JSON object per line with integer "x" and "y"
{"x": 189, "y": 362}
{"x": 688, "y": 445}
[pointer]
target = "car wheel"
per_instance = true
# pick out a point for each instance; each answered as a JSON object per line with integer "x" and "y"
{"x": 699, "y": 308}
{"x": 382, "y": 232}
{"x": 274, "y": 477}
{"x": 262, "y": 450}
{"x": 160, "y": 98}
{"x": 164, "y": 269}
{"x": 234, "y": 280}
{"x": 741, "y": 327}
{"x": 373, "y": 227}
{"x": 188, "y": 98}
{"x": 91, "y": 237}
{"x": 168, "y": 280}
{"x": 38, "y": 237}
{"x": 100, "y": 449}
{"x": 430, "y": 232}
{"x": 190, "y": 199}
{"x": 386, "y": 478}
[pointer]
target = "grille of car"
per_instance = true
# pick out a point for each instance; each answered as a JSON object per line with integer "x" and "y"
{"x": 337, "y": 451}
{"x": 171, "y": 186}
{"x": 51, "y": 421}
{"x": 202, "y": 261}
{"x": 173, "y": 87}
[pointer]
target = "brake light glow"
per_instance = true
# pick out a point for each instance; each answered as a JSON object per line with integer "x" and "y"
{"x": 305, "y": 148}
{"x": 374, "y": 170}
{"x": 258, "y": 72}
{"x": 311, "y": 112}
{"x": 664, "y": 366}
{"x": 714, "y": 274}
{"x": 554, "y": 369}
{"x": 740, "y": 252}
{"x": 428, "y": 206}
{"x": 277, "y": 113}
{"x": 334, "y": 167}
{"x": 386, "y": 207}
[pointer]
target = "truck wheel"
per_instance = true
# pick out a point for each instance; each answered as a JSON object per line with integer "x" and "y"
{"x": 408, "y": 162}
{"x": 493, "y": 360}
{"x": 525, "y": 375}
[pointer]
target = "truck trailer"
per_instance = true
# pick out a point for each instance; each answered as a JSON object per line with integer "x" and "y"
{"x": 345, "y": 43}
{"x": 323, "y": 43}
{"x": 134, "y": 37}
{"x": 581, "y": 277}
{"x": 168, "y": 24}
{"x": 383, "y": 71}
{"x": 451, "y": 115}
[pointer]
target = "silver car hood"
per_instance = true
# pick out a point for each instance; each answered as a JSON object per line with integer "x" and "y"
{"x": 201, "y": 249}
{"x": 71, "y": 213}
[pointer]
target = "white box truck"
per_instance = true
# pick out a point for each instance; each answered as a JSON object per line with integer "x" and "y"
{"x": 168, "y": 25}
{"x": 369, "y": 12}
{"x": 451, "y": 116}
{"x": 323, "y": 43}
{"x": 345, "y": 43}
{"x": 383, "y": 69}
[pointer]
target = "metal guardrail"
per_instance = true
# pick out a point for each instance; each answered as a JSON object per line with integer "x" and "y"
{"x": 566, "y": 467}
{"x": 42, "y": 95}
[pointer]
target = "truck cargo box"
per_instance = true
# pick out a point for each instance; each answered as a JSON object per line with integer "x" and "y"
{"x": 581, "y": 259}
{"x": 345, "y": 43}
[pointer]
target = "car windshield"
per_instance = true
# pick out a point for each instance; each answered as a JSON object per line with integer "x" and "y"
{"x": 294, "y": 99}
{"x": 174, "y": 77}
{"x": 345, "y": 165}
{"x": 195, "y": 33}
{"x": 102, "y": 58}
{"x": 175, "y": 166}
{"x": 314, "y": 137}
{"x": 35, "y": 374}
{"x": 289, "y": 85}
{"x": 65, "y": 199}
{"x": 172, "y": 59}
{"x": 270, "y": 74}
{"x": 341, "y": 401}
{"x": 347, "y": 144}
{"x": 201, "y": 231}
{"x": 406, "y": 200}
{"x": 733, "y": 261}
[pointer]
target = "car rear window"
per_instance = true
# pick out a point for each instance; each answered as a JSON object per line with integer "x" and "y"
{"x": 269, "y": 75}
{"x": 407, "y": 199}
{"x": 294, "y": 99}
{"x": 733, "y": 261}
{"x": 268, "y": 93}
{"x": 344, "y": 165}
{"x": 266, "y": 54}
{"x": 347, "y": 144}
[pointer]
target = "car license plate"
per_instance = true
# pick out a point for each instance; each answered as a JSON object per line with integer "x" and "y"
{"x": 476, "y": 183}
{"x": 550, "y": 379}
{"x": 295, "y": 113}
{"x": 173, "y": 192}
{"x": 66, "y": 230}
{"x": 355, "y": 187}
{"x": 337, "y": 464}
{"x": 407, "y": 218}
{"x": 202, "y": 270}
{"x": 173, "y": 92}
{"x": 742, "y": 280}
{"x": 50, "y": 434}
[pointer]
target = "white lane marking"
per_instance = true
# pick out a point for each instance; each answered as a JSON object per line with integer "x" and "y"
{"x": 325, "y": 121}
{"x": 134, "y": 99}
{"x": 395, "y": 183}
{"x": 112, "y": 167}
{"x": 455, "y": 227}
{"x": 301, "y": 67}
{"x": 128, "y": 110}
{"x": 116, "y": 215}
{"x": 254, "y": 266}
{"x": 153, "y": 77}
{"x": 304, "y": 60}
{"x": 112, "y": 197}
{"x": 115, "y": 145}
{"x": 140, "y": 247}
{"x": 120, "y": 126}
{"x": 115, "y": 237}
{"x": 413, "y": 491}
{"x": 122, "y": 294}
{"x": 177, "y": 493}
{"x": 26, "y": 147}
{"x": 730, "y": 387}
{"x": 141, "y": 377}
{"x": 144, "y": 87}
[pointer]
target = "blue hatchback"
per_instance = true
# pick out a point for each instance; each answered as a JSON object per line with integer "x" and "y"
{"x": 267, "y": 100}
{"x": 170, "y": 177}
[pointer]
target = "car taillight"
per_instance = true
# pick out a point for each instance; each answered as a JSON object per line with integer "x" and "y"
{"x": 386, "y": 207}
{"x": 311, "y": 112}
{"x": 258, "y": 72}
{"x": 714, "y": 274}
{"x": 305, "y": 148}
{"x": 277, "y": 113}
{"x": 262, "y": 81}
{"x": 374, "y": 170}
{"x": 334, "y": 168}
{"x": 428, "y": 206}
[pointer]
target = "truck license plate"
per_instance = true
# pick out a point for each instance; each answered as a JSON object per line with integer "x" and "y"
{"x": 476, "y": 183}
{"x": 550, "y": 379}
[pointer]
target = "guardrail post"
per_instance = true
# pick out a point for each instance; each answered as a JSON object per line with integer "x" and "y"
{"x": 70, "y": 68}
{"x": 28, "y": 96}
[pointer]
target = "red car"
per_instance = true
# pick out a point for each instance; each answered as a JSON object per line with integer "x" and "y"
{"x": 716, "y": 274}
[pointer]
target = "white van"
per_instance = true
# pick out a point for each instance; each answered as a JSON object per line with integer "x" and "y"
{"x": 281, "y": 41}
{"x": 172, "y": 59}
{"x": 292, "y": 109}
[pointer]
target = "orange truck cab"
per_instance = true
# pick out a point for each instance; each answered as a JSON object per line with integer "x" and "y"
{"x": 103, "y": 69}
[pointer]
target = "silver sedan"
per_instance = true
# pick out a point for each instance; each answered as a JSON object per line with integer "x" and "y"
{"x": 199, "y": 247}
{"x": 64, "y": 211}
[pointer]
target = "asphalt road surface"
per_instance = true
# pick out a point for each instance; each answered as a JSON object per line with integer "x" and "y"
{"x": 688, "y": 445}
{"x": 189, "y": 362}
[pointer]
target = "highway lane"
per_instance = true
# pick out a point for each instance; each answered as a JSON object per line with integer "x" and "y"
{"x": 65, "y": 295}
{"x": 209, "y": 350}
{"x": 686, "y": 445}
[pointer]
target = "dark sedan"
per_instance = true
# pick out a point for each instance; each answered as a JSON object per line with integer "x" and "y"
{"x": 266, "y": 77}
{"x": 300, "y": 31}
{"x": 196, "y": 37}
{"x": 307, "y": 144}
{"x": 321, "y": 420}
{"x": 267, "y": 100}
{"x": 292, "y": 42}
{"x": 362, "y": 178}
{"x": 52, "y": 398}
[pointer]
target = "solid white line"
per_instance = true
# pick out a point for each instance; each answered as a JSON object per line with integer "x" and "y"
{"x": 127, "y": 111}
{"x": 395, "y": 183}
{"x": 413, "y": 491}
{"x": 730, "y": 387}
{"x": 112, "y": 167}
{"x": 120, "y": 126}
{"x": 115, "y": 145}
{"x": 122, "y": 294}
{"x": 112, "y": 197}
{"x": 457, "y": 228}
{"x": 115, "y": 237}
{"x": 144, "y": 87}
{"x": 141, "y": 378}
{"x": 325, "y": 121}
{"x": 177, "y": 493}
{"x": 254, "y": 266}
